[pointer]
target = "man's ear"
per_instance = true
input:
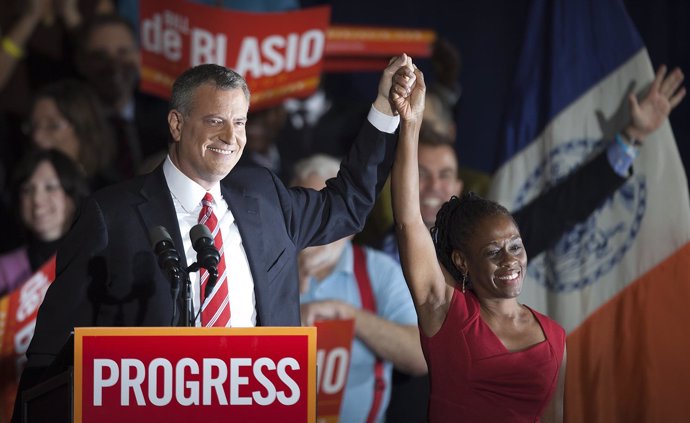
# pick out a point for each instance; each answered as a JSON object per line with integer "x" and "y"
{"x": 175, "y": 123}
{"x": 460, "y": 261}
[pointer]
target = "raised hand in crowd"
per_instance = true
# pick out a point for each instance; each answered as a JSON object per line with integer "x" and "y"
{"x": 14, "y": 42}
{"x": 68, "y": 11}
{"x": 648, "y": 113}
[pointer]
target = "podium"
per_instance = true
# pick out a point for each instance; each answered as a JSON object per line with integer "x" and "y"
{"x": 264, "y": 374}
{"x": 50, "y": 401}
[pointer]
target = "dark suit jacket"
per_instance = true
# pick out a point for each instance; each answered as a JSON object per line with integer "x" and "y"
{"x": 107, "y": 274}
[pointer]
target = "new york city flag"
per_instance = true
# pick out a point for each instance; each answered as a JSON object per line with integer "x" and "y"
{"x": 619, "y": 281}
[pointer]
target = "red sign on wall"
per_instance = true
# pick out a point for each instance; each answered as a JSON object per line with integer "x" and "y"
{"x": 195, "y": 374}
{"x": 279, "y": 54}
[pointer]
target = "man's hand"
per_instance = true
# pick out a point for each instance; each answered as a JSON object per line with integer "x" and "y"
{"x": 382, "y": 102}
{"x": 325, "y": 310}
{"x": 407, "y": 93}
{"x": 647, "y": 115}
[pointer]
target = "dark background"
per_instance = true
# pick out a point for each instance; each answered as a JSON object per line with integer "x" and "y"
{"x": 489, "y": 35}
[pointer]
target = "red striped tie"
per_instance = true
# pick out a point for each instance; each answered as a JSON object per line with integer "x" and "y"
{"x": 216, "y": 310}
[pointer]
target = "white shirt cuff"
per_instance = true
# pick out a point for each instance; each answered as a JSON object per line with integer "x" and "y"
{"x": 382, "y": 121}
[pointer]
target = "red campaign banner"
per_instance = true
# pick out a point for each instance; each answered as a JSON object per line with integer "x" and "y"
{"x": 279, "y": 54}
{"x": 351, "y": 48}
{"x": 368, "y": 41}
{"x": 18, "y": 311}
{"x": 333, "y": 361}
{"x": 195, "y": 374}
{"x": 356, "y": 64}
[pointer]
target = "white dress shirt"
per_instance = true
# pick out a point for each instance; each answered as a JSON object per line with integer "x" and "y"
{"x": 187, "y": 196}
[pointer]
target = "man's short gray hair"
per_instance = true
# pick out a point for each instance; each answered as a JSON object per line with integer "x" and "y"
{"x": 321, "y": 164}
{"x": 191, "y": 79}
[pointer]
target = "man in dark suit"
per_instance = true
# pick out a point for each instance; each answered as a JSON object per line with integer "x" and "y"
{"x": 107, "y": 273}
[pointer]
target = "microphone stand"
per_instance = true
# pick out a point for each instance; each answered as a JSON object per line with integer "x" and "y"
{"x": 188, "y": 319}
{"x": 175, "y": 275}
{"x": 212, "y": 279}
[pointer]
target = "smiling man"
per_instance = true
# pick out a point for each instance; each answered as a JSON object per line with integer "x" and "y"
{"x": 107, "y": 272}
{"x": 438, "y": 175}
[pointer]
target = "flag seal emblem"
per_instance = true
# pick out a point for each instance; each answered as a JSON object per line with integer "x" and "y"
{"x": 593, "y": 247}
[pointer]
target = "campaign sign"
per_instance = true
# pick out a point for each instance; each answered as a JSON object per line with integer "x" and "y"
{"x": 195, "y": 375}
{"x": 279, "y": 54}
{"x": 333, "y": 361}
{"x": 351, "y": 48}
{"x": 18, "y": 311}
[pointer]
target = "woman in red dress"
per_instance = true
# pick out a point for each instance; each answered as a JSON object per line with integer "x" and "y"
{"x": 490, "y": 358}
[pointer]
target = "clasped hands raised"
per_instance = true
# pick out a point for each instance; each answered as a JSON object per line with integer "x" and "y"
{"x": 401, "y": 90}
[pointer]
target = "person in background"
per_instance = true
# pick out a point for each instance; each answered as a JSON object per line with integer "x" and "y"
{"x": 37, "y": 14}
{"x": 67, "y": 116}
{"x": 47, "y": 189}
{"x": 108, "y": 58}
{"x": 263, "y": 127}
{"x": 281, "y": 135}
{"x": 323, "y": 123}
{"x": 36, "y": 48}
{"x": 331, "y": 287}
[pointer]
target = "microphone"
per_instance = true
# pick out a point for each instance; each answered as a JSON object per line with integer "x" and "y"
{"x": 207, "y": 255}
{"x": 168, "y": 259}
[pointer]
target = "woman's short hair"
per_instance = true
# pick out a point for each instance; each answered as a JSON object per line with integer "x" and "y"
{"x": 456, "y": 224}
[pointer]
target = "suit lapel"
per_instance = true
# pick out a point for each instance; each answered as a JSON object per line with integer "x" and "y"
{"x": 158, "y": 209}
{"x": 245, "y": 209}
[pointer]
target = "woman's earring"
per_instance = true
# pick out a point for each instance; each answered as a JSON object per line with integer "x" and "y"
{"x": 464, "y": 282}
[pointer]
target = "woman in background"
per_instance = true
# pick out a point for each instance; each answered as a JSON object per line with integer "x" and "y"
{"x": 67, "y": 116}
{"x": 47, "y": 188}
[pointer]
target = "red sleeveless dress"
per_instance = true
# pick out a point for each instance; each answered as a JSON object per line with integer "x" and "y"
{"x": 474, "y": 378}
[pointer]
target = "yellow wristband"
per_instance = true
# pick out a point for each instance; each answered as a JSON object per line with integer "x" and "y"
{"x": 11, "y": 48}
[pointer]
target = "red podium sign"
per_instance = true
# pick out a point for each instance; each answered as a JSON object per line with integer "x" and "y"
{"x": 195, "y": 374}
